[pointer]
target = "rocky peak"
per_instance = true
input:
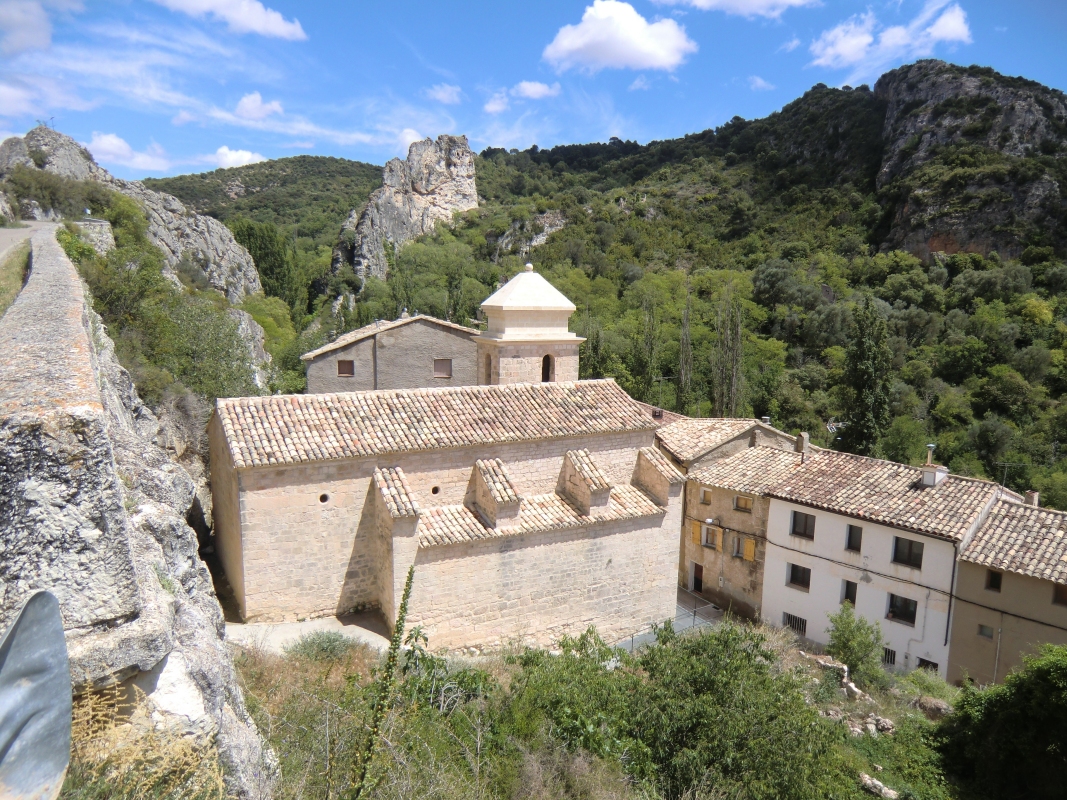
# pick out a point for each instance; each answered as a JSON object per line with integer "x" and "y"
{"x": 435, "y": 181}
{"x": 931, "y": 103}
{"x": 172, "y": 227}
{"x": 973, "y": 160}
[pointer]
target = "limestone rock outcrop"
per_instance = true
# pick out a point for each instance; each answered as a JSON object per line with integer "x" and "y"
{"x": 981, "y": 206}
{"x": 93, "y": 509}
{"x": 435, "y": 181}
{"x": 173, "y": 228}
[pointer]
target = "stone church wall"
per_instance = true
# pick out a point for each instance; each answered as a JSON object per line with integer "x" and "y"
{"x": 304, "y": 556}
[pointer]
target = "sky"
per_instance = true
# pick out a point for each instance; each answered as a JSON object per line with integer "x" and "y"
{"x": 165, "y": 87}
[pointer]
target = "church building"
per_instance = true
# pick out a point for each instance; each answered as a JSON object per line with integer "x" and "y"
{"x": 532, "y": 505}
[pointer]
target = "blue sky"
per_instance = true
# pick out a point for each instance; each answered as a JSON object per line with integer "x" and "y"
{"x": 161, "y": 87}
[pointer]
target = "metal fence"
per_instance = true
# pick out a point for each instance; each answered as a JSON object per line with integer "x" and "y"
{"x": 691, "y": 611}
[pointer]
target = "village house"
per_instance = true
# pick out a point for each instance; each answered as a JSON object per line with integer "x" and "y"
{"x": 839, "y": 527}
{"x": 723, "y": 540}
{"x": 1011, "y": 591}
{"x": 529, "y": 509}
{"x": 691, "y": 443}
{"x": 407, "y": 353}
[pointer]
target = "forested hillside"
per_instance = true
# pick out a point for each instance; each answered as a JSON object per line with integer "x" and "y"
{"x": 721, "y": 273}
{"x": 306, "y": 197}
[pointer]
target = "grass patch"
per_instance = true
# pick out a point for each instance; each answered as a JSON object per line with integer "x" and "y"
{"x": 13, "y": 271}
{"x": 117, "y": 753}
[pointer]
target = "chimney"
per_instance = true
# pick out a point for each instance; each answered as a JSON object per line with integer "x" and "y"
{"x": 802, "y": 442}
{"x": 765, "y": 420}
{"x": 932, "y": 473}
{"x": 1032, "y": 498}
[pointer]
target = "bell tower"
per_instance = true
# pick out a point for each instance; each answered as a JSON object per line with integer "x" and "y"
{"x": 527, "y": 339}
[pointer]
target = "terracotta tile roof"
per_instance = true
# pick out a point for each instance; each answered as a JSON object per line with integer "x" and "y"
{"x": 754, "y": 470}
{"x": 446, "y": 525}
{"x": 1024, "y": 539}
{"x": 496, "y": 477}
{"x": 393, "y": 485}
{"x": 380, "y": 327}
{"x": 662, "y": 465}
{"x": 691, "y": 438}
{"x": 864, "y": 488}
{"x": 295, "y": 429}
{"x": 588, "y": 469}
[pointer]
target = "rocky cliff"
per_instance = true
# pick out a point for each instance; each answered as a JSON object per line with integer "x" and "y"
{"x": 435, "y": 181}
{"x": 93, "y": 510}
{"x": 973, "y": 160}
{"x": 173, "y": 228}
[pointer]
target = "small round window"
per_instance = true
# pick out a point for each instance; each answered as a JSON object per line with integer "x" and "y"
{"x": 436, "y": 490}
{"x": 324, "y": 498}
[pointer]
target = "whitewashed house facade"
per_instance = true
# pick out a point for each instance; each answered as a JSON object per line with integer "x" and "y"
{"x": 882, "y": 535}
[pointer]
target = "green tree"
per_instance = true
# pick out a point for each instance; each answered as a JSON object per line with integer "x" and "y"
{"x": 1010, "y": 741}
{"x": 274, "y": 258}
{"x": 867, "y": 380}
{"x": 856, "y": 642}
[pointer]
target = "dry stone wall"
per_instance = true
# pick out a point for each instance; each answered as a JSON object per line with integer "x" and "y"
{"x": 172, "y": 227}
{"x": 93, "y": 510}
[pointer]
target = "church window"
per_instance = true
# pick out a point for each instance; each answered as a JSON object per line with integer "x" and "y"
{"x": 546, "y": 369}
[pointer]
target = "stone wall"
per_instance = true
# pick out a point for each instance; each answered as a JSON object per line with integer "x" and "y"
{"x": 398, "y": 358}
{"x": 307, "y": 556}
{"x": 93, "y": 510}
{"x": 741, "y": 588}
{"x": 538, "y": 587}
{"x": 522, "y": 363}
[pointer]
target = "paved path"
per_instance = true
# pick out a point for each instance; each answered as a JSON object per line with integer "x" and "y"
{"x": 10, "y": 237}
{"x": 367, "y": 627}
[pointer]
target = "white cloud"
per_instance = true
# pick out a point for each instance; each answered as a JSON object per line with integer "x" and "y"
{"x": 225, "y": 157}
{"x": 757, "y": 84}
{"x": 25, "y": 25}
{"x": 251, "y": 106}
{"x": 107, "y": 148}
{"x": 745, "y": 8}
{"x": 612, "y": 34}
{"x": 182, "y": 117}
{"x": 535, "y": 90}
{"x": 445, "y": 93}
{"x": 242, "y": 16}
{"x": 867, "y": 48}
{"x": 791, "y": 45}
{"x": 497, "y": 103}
{"x": 407, "y": 136}
{"x": 640, "y": 82}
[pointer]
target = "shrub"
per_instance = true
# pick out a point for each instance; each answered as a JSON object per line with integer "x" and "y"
{"x": 1010, "y": 741}
{"x": 858, "y": 643}
{"x": 321, "y": 646}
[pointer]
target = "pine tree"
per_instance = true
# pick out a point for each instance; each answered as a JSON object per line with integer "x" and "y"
{"x": 685, "y": 360}
{"x": 867, "y": 379}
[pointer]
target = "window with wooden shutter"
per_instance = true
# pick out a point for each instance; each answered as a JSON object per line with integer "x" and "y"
{"x": 696, "y": 532}
{"x": 750, "y": 550}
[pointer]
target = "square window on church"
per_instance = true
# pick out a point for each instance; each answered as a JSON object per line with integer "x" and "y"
{"x": 442, "y": 367}
{"x": 346, "y": 368}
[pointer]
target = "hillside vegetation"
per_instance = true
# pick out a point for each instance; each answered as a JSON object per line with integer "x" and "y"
{"x": 735, "y": 711}
{"x": 719, "y": 273}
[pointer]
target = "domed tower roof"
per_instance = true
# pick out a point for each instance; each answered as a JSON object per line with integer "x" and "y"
{"x": 528, "y": 291}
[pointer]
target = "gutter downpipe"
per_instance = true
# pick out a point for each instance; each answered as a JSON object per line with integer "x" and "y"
{"x": 952, "y": 591}
{"x": 1000, "y": 635}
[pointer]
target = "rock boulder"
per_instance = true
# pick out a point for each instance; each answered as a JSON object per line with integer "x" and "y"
{"x": 435, "y": 181}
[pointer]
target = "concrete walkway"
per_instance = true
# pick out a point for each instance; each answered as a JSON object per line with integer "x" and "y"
{"x": 367, "y": 627}
{"x": 10, "y": 237}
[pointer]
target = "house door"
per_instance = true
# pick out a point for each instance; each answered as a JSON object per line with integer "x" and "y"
{"x": 698, "y": 578}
